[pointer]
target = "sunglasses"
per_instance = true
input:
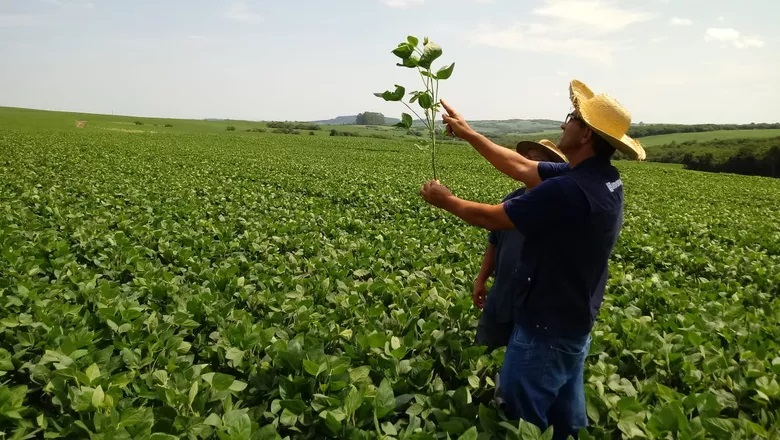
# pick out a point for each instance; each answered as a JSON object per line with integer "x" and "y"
{"x": 571, "y": 116}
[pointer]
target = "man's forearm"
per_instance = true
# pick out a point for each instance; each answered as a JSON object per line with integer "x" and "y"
{"x": 504, "y": 160}
{"x": 490, "y": 217}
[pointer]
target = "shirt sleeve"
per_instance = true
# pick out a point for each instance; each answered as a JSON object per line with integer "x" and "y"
{"x": 548, "y": 170}
{"x": 551, "y": 205}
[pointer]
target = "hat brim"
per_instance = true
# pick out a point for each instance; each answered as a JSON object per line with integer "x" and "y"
{"x": 523, "y": 147}
{"x": 579, "y": 92}
{"x": 626, "y": 145}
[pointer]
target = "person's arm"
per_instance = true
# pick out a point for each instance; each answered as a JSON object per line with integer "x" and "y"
{"x": 509, "y": 162}
{"x": 485, "y": 272}
{"x": 490, "y": 217}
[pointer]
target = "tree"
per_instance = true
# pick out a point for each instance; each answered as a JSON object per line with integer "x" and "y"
{"x": 370, "y": 118}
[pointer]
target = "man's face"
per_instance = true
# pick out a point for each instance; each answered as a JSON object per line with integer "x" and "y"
{"x": 572, "y": 133}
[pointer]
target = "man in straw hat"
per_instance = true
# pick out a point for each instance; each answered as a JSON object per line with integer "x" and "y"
{"x": 501, "y": 259}
{"x": 571, "y": 222}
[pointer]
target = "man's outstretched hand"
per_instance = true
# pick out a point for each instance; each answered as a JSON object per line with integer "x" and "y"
{"x": 456, "y": 124}
{"x": 435, "y": 193}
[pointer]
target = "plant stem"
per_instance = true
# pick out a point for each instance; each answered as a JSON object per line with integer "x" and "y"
{"x": 433, "y": 123}
{"x": 415, "y": 113}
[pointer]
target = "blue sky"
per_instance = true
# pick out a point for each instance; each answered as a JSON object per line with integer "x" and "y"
{"x": 686, "y": 61}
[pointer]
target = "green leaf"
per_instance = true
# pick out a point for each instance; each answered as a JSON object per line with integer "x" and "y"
{"x": 193, "y": 391}
{"x": 396, "y": 95}
{"x": 238, "y": 426}
{"x": 406, "y": 121}
{"x": 389, "y": 429}
{"x": 213, "y": 420}
{"x": 219, "y": 381}
{"x": 93, "y": 372}
{"x": 161, "y": 376}
{"x": 719, "y": 428}
{"x": 360, "y": 273}
{"x": 529, "y": 431}
{"x": 10, "y": 322}
{"x": 445, "y": 72}
{"x": 431, "y": 51}
{"x": 288, "y": 418}
{"x": 630, "y": 429}
{"x": 98, "y": 397}
{"x": 404, "y": 50}
{"x": 471, "y": 434}
{"x": 6, "y": 361}
{"x": 267, "y": 432}
{"x": 311, "y": 367}
{"x": 412, "y": 40}
{"x": 359, "y": 374}
{"x": 234, "y": 355}
{"x": 376, "y": 340}
{"x": 237, "y": 386}
{"x": 295, "y": 406}
{"x": 137, "y": 418}
{"x": 353, "y": 401}
{"x": 425, "y": 100}
{"x": 488, "y": 419}
{"x": 411, "y": 62}
{"x": 384, "y": 403}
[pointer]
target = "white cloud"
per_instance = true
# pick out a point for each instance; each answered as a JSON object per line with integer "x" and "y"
{"x": 485, "y": 1}
{"x": 239, "y": 11}
{"x": 597, "y": 15}
{"x": 19, "y": 20}
{"x": 532, "y": 38}
{"x": 677, "y": 21}
{"x": 734, "y": 37}
{"x": 656, "y": 40}
{"x": 569, "y": 27}
{"x": 721, "y": 19}
{"x": 402, "y": 4}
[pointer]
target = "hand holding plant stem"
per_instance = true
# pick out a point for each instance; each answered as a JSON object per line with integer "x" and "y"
{"x": 414, "y": 57}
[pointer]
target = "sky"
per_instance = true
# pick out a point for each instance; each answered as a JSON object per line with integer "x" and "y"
{"x": 666, "y": 61}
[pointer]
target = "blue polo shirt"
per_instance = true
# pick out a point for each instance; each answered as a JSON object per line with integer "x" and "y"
{"x": 509, "y": 244}
{"x": 571, "y": 222}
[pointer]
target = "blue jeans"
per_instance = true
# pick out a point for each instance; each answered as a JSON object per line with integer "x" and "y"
{"x": 542, "y": 380}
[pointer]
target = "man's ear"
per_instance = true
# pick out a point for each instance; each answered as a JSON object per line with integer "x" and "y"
{"x": 587, "y": 136}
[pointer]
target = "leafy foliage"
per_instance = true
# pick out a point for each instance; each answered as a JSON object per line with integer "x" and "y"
{"x": 414, "y": 57}
{"x": 642, "y": 130}
{"x": 742, "y": 156}
{"x": 253, "y": 287}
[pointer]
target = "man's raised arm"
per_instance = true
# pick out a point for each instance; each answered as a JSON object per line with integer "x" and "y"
{"x": 503, "y": 159}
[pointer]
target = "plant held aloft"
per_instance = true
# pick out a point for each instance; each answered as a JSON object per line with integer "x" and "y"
{"x": 414, "y": 56}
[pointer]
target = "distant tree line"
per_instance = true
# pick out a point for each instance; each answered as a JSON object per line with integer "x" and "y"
{"x": 757, "y": 157}
{"x": 334, "y": 132}
{"x": 370, "y": 118}
{"x": 642, "y": 130}
{"x": 293, "y": 125}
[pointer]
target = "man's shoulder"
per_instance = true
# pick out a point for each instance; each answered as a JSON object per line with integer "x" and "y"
{"x": 516, "y": 193}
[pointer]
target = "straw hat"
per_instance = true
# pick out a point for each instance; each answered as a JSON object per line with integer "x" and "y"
{"x": 544, "y": 144}
{"x": 606, "y": 117}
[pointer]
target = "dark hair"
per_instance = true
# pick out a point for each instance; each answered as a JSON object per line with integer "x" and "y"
{"x": 601, "y": 147}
